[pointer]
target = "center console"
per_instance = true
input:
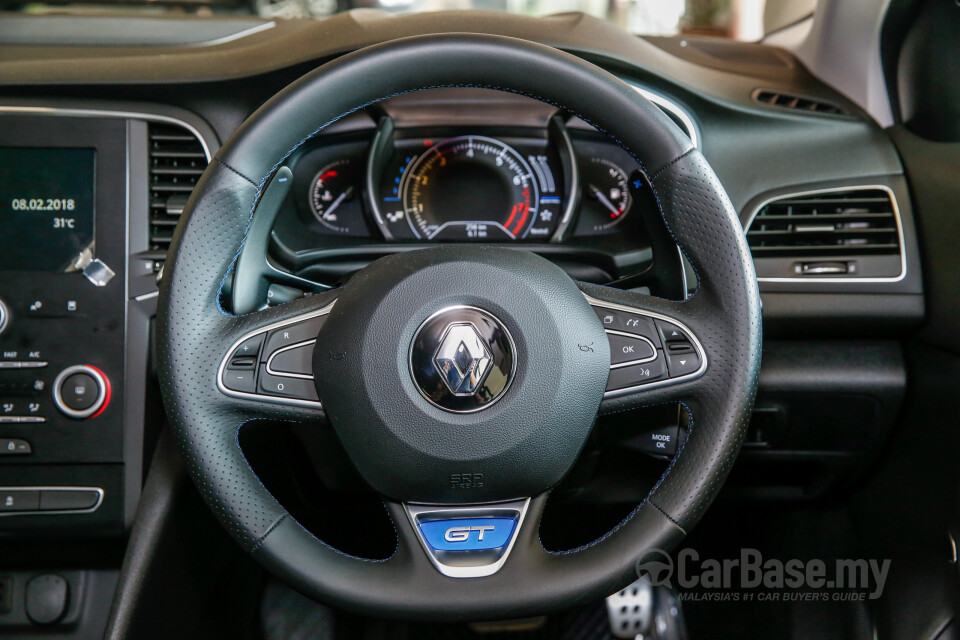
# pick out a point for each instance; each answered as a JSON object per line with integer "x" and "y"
{"x": 77, "y": 293}
{"x": 63, "y": 271}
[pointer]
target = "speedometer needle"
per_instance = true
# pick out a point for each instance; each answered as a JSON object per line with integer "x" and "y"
{"x": 603, "y": 200}
{"x": 336, "y": 203}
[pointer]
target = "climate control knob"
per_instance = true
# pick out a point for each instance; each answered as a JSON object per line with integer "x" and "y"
{"x": 81, "y": 391}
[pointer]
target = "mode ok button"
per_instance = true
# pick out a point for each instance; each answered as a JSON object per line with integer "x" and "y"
{"x": 629, "y": 348}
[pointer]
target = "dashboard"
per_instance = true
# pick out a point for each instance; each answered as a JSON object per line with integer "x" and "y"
{"x": 96, "y": 168}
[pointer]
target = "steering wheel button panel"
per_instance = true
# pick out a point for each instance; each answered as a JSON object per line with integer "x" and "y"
{"x": 274, "y": 363}
{"x": 626, "y": 349}
{"x": 646, "y": 349}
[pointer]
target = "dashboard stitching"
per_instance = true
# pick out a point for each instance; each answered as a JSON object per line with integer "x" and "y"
{"x": 260, "y": 186}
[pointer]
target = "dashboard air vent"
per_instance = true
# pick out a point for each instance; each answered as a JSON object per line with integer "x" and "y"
{"x": 177, "y": 159}
{"x": 791, "y": 101}
{"x": 855, "y": 222}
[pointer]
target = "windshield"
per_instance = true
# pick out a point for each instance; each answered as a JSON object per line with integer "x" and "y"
{"x": 738, "y": 19}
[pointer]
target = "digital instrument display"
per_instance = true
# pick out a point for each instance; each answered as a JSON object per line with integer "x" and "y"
{"x": 471, "y": 188}
{"x": 46, "y": 208}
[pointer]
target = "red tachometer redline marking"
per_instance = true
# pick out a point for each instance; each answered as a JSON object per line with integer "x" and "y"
{"x": 327, "y": 174}
{"x": 512, "y": 215}
{"x": 523, "y": 210}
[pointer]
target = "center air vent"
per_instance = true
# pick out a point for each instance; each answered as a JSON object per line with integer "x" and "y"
{"x": 177, "y": 159}
{"x": 833, "y": 233}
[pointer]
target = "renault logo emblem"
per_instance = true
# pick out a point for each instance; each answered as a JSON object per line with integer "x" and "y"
{"x": 462, "y": 359}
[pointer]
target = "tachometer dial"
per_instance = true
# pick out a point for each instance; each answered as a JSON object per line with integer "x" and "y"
{"x": 334, "y": 196}
{"x": 470, "y": 188}
{"x": 606, "y": 193}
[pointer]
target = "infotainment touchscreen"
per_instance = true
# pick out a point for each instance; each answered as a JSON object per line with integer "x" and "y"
{"x": 46, "y": 208}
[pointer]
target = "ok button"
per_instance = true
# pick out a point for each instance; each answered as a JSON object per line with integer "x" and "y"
{"x": 629, "y": 348}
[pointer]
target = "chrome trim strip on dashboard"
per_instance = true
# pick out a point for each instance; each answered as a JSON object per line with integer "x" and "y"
{"x": 676, "y": 110}
{"x": 616, "y": 393}
{"x": 414, "y": 511}
{"x": 106, "y": 113}
{"x": 861, "y": 187}
{"x": 60, "y": 512}
{"x": 270, "y": 327}
{"x": 236, "y": 36}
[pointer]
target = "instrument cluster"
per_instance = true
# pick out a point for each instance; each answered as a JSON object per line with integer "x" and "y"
{"x": 479, "y": 184}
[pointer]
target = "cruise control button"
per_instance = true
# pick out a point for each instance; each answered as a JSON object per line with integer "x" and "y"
{"x": 292, "y": 334}
{"x": 680, "y": 364}
{"x": 240, "y": 380}
{"x": 288, "y": 387}
{"x": 19, "y": 499}
{"x": 629, "y": 348}
{"x": 297, "y": 360}
{"x": 245, "y": 355}
{"x": 637, "y": 374}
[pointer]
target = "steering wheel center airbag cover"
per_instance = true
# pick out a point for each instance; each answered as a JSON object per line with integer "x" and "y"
{"x": 543, "y": 373}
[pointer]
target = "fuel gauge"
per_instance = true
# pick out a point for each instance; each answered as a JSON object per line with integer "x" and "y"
{"x": 606, "y": 193}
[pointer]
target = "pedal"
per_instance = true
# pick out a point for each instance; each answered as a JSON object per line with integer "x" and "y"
{"x": 631, "y": 610}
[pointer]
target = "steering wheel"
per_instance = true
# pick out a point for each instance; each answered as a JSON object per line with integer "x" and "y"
{"x": 462, "y": 381}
